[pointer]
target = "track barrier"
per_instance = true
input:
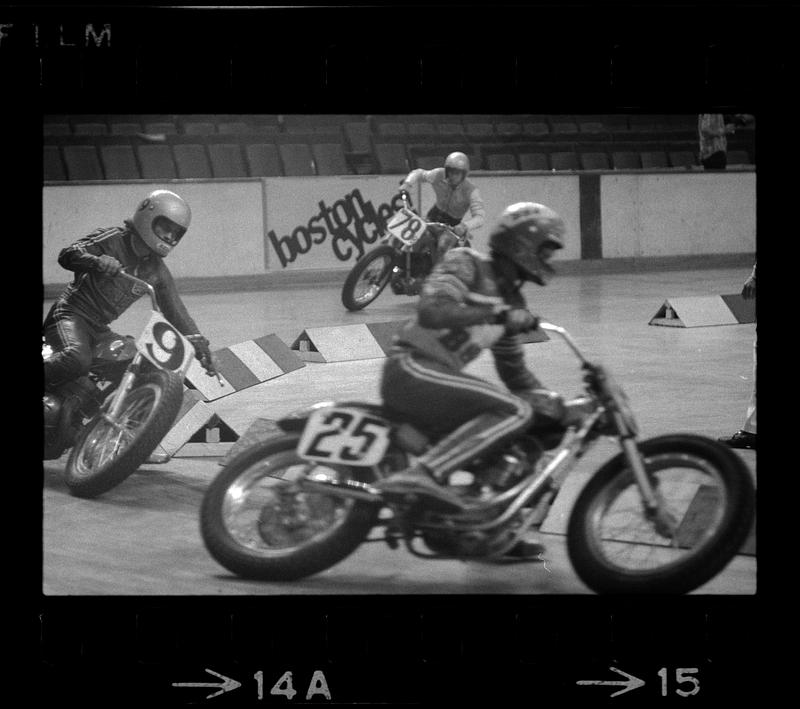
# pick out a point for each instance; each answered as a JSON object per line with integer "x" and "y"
{"x": 701, "y": 311}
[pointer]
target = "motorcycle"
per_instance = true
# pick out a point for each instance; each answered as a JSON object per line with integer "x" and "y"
{"x": 132, "y": 395}
{"x": 403, "y": 259}
{"x": 664, "y": 515}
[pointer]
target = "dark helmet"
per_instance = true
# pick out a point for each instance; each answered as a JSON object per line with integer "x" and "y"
{"x": 524, "y": 228}
{"x": 166, "y": 209}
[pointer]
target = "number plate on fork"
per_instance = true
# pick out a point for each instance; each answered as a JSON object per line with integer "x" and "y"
{"x": 344, "y": 436}
{"x": 164, "y": 346}
{"x": 406, "y": 226}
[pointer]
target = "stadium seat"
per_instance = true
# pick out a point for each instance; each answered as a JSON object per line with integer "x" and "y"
{"x": 427, "y": 161}
{"x": 626, "y": 160}
{"x": 450, "y": 130}
{"x": 563, "y": 126}
{"x": 359, "y": 137}
{"x": 264, "y": 129}
{"x": 263, "y": 160}
{"x": 233, "y": 128}
{"x": 392, "y": 159}
{"x": 52, "y": 166}
{"x": 421, "y": 130}
{"x": 95, "y": 128}
{"x": 594, "y": 161}
{"x": 682, "y": 158}
{"x": 501, "y": 161}
{"x": 391, "y": 130}
{"x": 533, "y": 161}
{"x": 156, "y": 162}
{"x": 615, "y": 122}
{"x": 119, "y": 162}
{"x": 330, "y": 159}
{"x": 226, "y": 160}
{"x": 125, "y": 128}
{"x": 535, "y": 128}
{"x": 653, "y": 158}
{"x": 478, "y": 131}
{"x": 508, "y": 131}
{"x": 564, "y": 161}
{"x": 56, "y": 129}
{"x": 738, "y": 157}
{"x": 199, "y": 128}
{"x": 297, "y": 159}
{"x": 157, "y": 127}
{"x": 646, "y": 123}
{"x": 82, "y": 162}
{"x": 191, "y": 160}
{"x": 591, "y": 127}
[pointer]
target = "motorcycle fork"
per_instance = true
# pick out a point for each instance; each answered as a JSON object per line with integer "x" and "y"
{"x": 634, "y": 457}
{"x": 126, "y": 384}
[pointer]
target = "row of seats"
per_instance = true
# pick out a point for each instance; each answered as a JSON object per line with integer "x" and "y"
{"x": 121, "y": 159}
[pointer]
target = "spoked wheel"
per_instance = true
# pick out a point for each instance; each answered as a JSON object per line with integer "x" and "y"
{"x": 258, "y": 522}
{"x": 106, "y": 452}
{"x": 706, "y": 505}
{"x": 368, "y": 278}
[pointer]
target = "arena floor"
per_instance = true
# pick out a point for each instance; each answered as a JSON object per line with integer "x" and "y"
{"x": 142, "y": 538}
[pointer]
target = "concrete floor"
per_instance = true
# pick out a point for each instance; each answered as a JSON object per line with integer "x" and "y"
{"x": 142, "y": 538}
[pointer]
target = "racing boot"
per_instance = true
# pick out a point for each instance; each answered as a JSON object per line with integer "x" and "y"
{"x": 417, "y": 480}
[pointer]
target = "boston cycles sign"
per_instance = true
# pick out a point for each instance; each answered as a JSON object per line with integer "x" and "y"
{"x": 339, "y": 230}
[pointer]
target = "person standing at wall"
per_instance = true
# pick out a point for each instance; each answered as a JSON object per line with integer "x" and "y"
{"x": 746, "y": 436}
{"x": 713, "y": 132}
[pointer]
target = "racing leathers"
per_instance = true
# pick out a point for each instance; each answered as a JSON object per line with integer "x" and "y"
{"x": 460, "y": 313}
{"x": 81, "y": 314}
{"x": 460, "y": 207}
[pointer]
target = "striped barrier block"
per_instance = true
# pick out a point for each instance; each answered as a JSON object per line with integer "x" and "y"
{"x": 701, "y": 311}
{"x": 259, "y": 430}
{"x": 244, "y": 365}
{"x": 194, "y": 418}
{"x": 363, "y": 341}
{"x": 346, "y": 342}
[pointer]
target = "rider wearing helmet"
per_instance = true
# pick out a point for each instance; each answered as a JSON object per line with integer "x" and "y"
{"x": 471, "y": 302}
{"x": 96, "y": 296}
{"x": 458, "y": 202}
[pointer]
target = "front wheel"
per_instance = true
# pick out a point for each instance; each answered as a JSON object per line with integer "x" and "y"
{"x": 368, "y": 278}
{"x": 105, "y": 452}
{"x": 258, "y": 522}
{"x": 706, "y": 507}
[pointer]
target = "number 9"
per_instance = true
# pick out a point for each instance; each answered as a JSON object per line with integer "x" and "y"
{"x": 169, "y": 352}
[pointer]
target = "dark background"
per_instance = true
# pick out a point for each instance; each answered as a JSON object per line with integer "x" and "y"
{"x": 565, "y": 58}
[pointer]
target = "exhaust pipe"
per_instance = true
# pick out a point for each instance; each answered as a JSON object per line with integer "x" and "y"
{"x": 341, "y": 488}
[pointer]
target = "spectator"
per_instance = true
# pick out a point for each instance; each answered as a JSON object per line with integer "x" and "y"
{"x": 713, "y": 131}
{"x": 746, "y": 436}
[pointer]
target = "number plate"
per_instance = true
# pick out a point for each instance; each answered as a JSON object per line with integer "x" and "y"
{"x": 406, "y": 226}
{"x": 164, "y": 346}
{"x": 344, "y": 436}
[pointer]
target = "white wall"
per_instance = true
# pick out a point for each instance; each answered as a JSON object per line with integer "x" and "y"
{"x": 676, "y": 214}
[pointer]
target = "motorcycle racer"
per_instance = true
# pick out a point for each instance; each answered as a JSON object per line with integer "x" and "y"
{"x": 80, "y": 316}
{"x": 471, "y": 302}
{"x": 458, "y": 201}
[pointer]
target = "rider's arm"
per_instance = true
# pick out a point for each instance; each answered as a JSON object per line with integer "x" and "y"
{"x": 509, "y": 361}
{"x": 419, "y": 174}
{"x": 84, "y": 253}
{"x": 477, "y": 212}
{"x": 171, "y": 304}
{"x": 446, "y": 300}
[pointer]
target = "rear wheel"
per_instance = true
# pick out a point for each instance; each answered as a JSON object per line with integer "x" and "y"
{"x": 258, "y": 522}
{"x": 706, "y": 507}
{"x": 368, "y": 278}
{"x": 105, "y": 452}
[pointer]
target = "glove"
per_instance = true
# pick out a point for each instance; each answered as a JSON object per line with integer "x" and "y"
{"x": 108, "y": 265}
{"x": 518, "y": 320}
{"x": 546, "y": 402}
{"x": 460, "y": 229}
{"x": 749, "y": 288}
{"x": 202, "y": 352}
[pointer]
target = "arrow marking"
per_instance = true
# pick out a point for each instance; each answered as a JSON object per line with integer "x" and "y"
{"x": 227, "y": 684}
{"x": 629, "y": 683}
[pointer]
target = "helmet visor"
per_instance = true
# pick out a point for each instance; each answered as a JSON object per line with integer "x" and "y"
{"x": 168, "y": 231}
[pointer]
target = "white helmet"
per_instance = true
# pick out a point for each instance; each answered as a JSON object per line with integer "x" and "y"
{"x": 166, "y": 210}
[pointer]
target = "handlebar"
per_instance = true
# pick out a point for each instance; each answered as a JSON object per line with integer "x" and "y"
{"x": 150, "y": 290}
{"x": 566, "y": 337}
